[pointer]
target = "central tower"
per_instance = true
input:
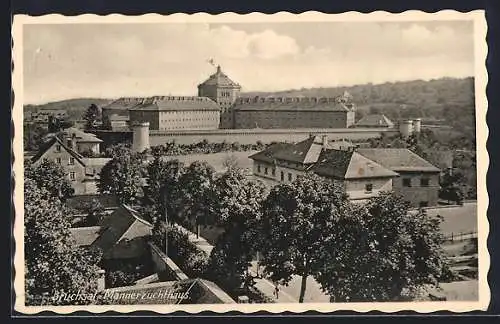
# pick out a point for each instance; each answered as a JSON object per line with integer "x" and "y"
{"x": 224, "y": 92}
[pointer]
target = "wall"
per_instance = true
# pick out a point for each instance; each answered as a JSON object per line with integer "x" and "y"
{"x": 150, "y": 116}
{"x": 163, "y": 263}
{"x": 416, "y": 193}
{"x": 87, "y": 146}
{"x": 356, "y": 187}
{"x": 189, "y": 119}
{"x": 244, "y": 119}
{"x": 277, "y": 174}
{"x": 251, "y": 136}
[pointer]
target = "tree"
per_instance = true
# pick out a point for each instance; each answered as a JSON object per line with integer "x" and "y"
{"x": 122, "y": 176}
{"x": 94, "y": 212}
{"x": 51, "y": 177}
{"x": 162, "y": 177}
{"x": 33, "y": 137}
{"x": 195, "y": 191}
{"x": 54, "y": 264}
{"x": 381, "y": 252}
{"x": 230, "y": 162}
{"x": 450, "y": 187}
{"x": 91, "y": 117}
{"x": 237, "y": 209}
{"x": 297, "y": 218}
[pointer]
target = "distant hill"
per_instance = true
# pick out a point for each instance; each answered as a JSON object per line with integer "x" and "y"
{"x": 74, "y": 107}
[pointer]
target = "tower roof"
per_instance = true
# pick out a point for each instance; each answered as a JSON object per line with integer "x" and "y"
{"x": 220, "y": 79}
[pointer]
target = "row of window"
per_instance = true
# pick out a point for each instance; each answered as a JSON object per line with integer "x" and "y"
{"x": 424, "y": 182}
{"x": 71, "y": 160}
{"x": 273, "y": 173}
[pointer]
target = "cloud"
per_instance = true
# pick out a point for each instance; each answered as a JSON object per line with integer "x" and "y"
{"x": 64, "y": 61}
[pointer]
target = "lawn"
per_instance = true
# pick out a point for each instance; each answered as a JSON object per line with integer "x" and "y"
{"x": 460, "y": 219}
{"x": 217, "y": 159}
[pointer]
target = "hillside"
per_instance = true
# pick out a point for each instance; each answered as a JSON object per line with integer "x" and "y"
{"x": 74, "y": 107}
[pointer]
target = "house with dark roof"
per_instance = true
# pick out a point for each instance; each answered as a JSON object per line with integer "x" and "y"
{"x": 176, "y": 113}
{"x": 374, "y": 121}
{"x": 63, "y": 149}
{"x": 362, "y": 172}
{"x": 418, "y": 179}
{"x": 121, "y": 235}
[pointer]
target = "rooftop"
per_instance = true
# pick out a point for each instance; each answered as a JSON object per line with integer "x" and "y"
{"x": 174, "y": 103}
{"x": 376, "y": 120}
{"x": 80, "y": 136}
{"x": 398, "y": 159}
{"x": 292, "y": 104}
{"x": 342, "y": 164}
{"x": 220, "y": 79}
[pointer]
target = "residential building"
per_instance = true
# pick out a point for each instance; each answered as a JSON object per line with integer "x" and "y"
{"x": 418, "y": 179}
{"x": 361, "y": 172}
{"x": 374, "y": 121}
{"x": 82, "y": 172}
{"x": 177, "y": 113}
{"x": 224, "y": 91}
{"x": 293, "y": 112}
{"x": 80, "y": 141}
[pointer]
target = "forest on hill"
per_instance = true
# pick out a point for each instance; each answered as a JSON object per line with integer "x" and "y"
{"x": 74, "y": 107}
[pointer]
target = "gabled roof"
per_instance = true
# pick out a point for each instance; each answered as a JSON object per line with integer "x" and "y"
{"x": 304, "y": 152}
{"x": 398, "y": 159}
{"x": 219, "y": 79}
{"x": 51, "y": 142}
{"x": 376, "y": 120}
{"x": 267, "y": 155}
{"x": 171, "y": 103}
{"x": 80, "y": 135}
{"x": 114, "y": 226}
{"x": 342, "y": 164}
{"x": 85, "y": 236}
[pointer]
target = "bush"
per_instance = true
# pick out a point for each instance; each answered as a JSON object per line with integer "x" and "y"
{"x": 184, "y": 253}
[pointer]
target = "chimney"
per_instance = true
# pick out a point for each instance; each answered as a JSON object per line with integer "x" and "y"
{"x": 218, "y": 69}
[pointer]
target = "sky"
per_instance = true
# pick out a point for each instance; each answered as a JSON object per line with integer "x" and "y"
{"x": 63, "y": 61}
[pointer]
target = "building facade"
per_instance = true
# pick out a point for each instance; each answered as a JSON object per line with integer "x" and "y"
{"x": 222, "y": 90}
{"x": 363, "y": 173}
{"x": 418, "y": 180}
{"x": 82, "y": 172}
{"x": 176, "y": 113}
{"x": 293, "y": 112}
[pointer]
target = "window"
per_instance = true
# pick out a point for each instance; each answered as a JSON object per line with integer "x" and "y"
{"x": 265, "y": 170}
{"x": 58, "y": 148}
{"x": 258, "y": 168}
{"x": 424, "y": 182}
{"x": 58, "y": 160}
{"x": 407, "y": 182}
{"x": 72, "y": 176}
{"x": 282, "y": 176}
{"x": 71, "y": 160}
{"x": 423, "y": 204}
{"x": 273, "y": 172}
{"x": 369, "y": 187}
{"x": 289, "y": 177}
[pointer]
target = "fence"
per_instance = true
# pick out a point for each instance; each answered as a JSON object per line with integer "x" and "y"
{"x": 460, "y": 236}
